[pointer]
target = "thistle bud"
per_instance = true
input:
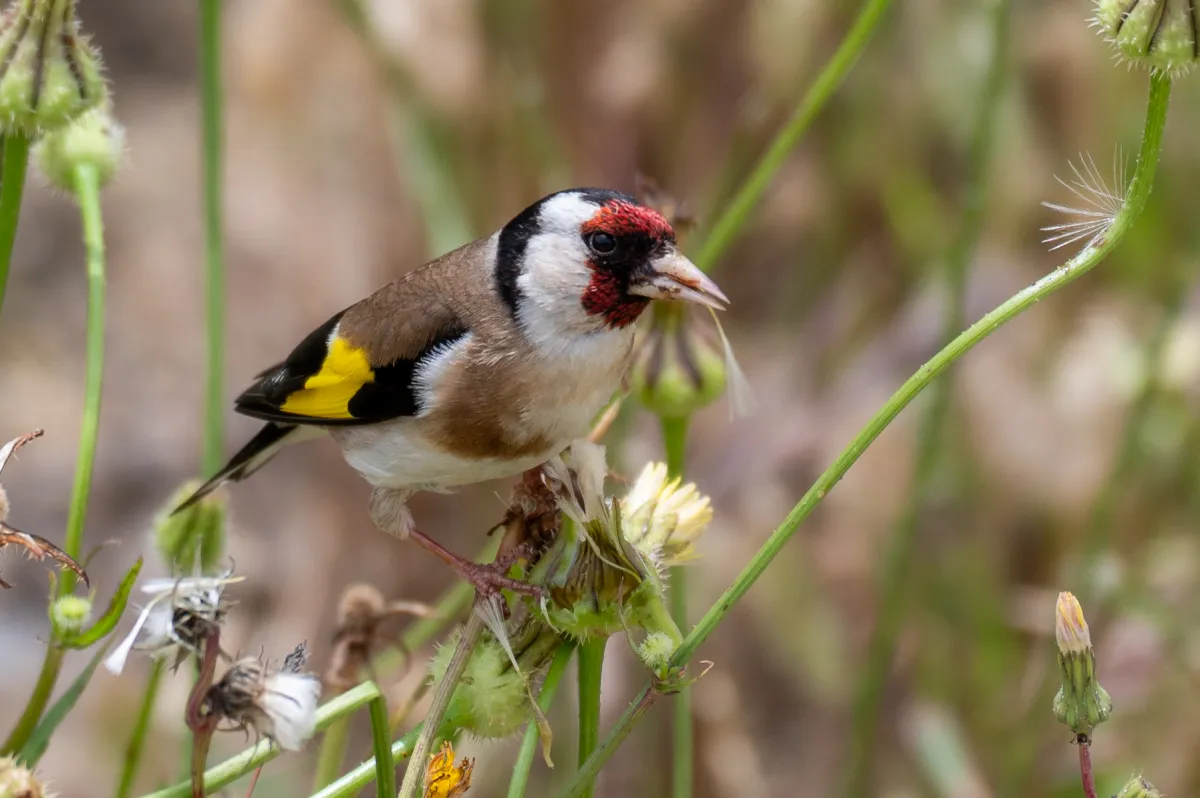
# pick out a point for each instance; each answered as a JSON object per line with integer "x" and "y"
{"x": 679, "y": 368}
{"x": 50, "y": 74}
{"x": 18, "y": 781}
{"x": 69, "y": 614}
{"x": 1160, "y": 34}
{"x": 94, "y": 140}
{"x": 1081, "y": 704}
{"x": 1137, "y": 787}
{"x": 194, "y": 537}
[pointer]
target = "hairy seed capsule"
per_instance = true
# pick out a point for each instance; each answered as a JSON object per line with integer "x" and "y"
{"x": 49, "y": 73}
{"x": 1160, "y": 34}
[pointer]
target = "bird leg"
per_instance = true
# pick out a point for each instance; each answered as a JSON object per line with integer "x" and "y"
{"x": 488, "y": 579}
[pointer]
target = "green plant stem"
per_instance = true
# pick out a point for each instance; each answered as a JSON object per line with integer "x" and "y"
{"x": 38, "y": 700}
{"x": 899, "y": 555}
{"x": 12, "y": 188}
{"x": 1076, "y": 267}
{"x": 441, "y": 701}
{"x": 350, "y": 784}
{"x": 214, "y": 259}
{"x": 332, "y": 752}
{"x": 137, "y": 739}
{"x": 529, "y": 743}
{"x": 733, "y": 219}
{"x": 87, "y": 188}
{"x": 674, "y": 431}
{"x": 591, "y": 669}
{"x": 263, "y": 751}
{"x": 381, "y": 737}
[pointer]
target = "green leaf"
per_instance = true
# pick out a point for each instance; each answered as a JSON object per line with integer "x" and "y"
{"x": 108, "y": 621}
{"x": 39, "y": 741}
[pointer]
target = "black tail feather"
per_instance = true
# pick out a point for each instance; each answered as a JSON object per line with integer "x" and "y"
{"x": 251, "y": 457}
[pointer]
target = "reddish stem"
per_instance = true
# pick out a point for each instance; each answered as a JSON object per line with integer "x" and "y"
{"x": 1085, "y": 766}
{"x": 201, "y": 723}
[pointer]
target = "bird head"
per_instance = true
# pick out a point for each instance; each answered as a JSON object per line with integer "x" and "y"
{"x": 586, "y": 260}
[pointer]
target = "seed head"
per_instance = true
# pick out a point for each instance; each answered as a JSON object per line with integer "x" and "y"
{"x": 50, "y": 74}
{"x": 1081, "y": 703}
{"x": 1159, "y": 34}
{"x": 177, "y": 619}
{"x": 18, "y": 781}
{"x": 279, "y": 704}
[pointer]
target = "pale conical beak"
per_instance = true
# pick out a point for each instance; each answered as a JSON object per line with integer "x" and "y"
{"x": 671, "y": 276}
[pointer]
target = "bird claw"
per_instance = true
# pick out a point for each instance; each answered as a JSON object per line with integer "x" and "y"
{"x": 488, "y": 580}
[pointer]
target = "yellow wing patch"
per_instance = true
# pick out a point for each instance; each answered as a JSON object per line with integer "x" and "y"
{"x": 327, "y": 393}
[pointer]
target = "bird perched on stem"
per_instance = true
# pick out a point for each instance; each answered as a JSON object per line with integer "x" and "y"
{"x": 482, "y": 364}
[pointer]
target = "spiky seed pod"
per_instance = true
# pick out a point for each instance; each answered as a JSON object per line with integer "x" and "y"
{"x": 1159, "y": 34}
{"x": 49, "y": 73}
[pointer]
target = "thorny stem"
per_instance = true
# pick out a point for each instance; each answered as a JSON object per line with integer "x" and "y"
{"x": 1085, "y": 766}
{"x": 381, "y": 736}
{"x": 897, "y": 561}
{"x": 12, "y": 188}
{"x": 264, "y": 751}
{"x": 441, "y": 701}
{"x": 674, "y": 432}
{"x": 87, "y": 190}
{"x": 137, "y": 739}
{"x": 733, "y": 219}
{"x": 529, "y": 743}
{"x": 591, "y": 669}
{"x": 214, "y": 263}
{"x": 1076, "y": 267}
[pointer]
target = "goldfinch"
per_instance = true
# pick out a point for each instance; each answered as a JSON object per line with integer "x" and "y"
{"x": 481, "y": 364}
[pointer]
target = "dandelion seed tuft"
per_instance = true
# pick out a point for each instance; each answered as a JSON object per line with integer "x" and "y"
{"x": 1098, "y": 207}
{"x": 1159, "y": 34}
{"x": 279, "y": 704}
{"x": 172, "y": 624}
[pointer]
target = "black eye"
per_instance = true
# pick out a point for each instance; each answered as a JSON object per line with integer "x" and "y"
{"x": 602, "y": 243}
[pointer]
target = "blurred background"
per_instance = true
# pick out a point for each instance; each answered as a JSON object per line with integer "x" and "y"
{"x": 362, "y": 140}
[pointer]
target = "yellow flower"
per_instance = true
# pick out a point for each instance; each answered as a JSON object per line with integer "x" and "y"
{"x": 443, "y": 779}
{"x": 1070, "y": 628}
{"x": 664, "y": 519}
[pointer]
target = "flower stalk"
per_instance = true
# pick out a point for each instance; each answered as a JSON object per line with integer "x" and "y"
{"x": 591, "y": 669}
{"x": 1064, "y": 275}
{"x": 13, "y": 167}
{"x": 214, "y": 258}
{"x": 529, "y": 743}
{"x": 682, "y": 734}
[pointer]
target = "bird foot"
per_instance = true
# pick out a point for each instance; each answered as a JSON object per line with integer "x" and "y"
{"x": 488, "y": 579}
